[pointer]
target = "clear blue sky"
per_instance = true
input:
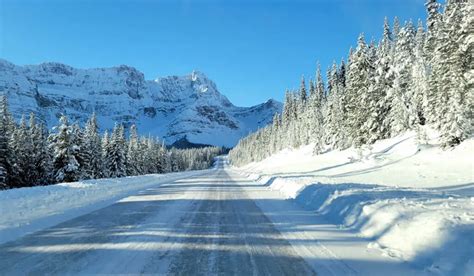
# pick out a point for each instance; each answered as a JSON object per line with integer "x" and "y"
{"x": 253, "y": 50}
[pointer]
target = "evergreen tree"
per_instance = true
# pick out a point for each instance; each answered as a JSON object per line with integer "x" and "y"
{"x": 116, "y": 153}
{"x": 378, "y": 102}
{"x": 432, "y": 22}
{"x": 21, "y": 146}
{"x": 396, "y": 30}
{"x": 79, "y": 141}
{"x": 5, "y": 153}
{"x": 320, "y": 90}
{"x": 419, "y": 75}
{"x": 358, "y": 83}
{"x": 65, "y": 165}
{"x": 303, "y": 93}
{"x": 92, "y": 150}
{"x": 333, "y": 118}
{"x": 105, "y": 145}
{"x": 454, "y": 124}
{"x": 315, "y": 115}
{"x": 133, "y": 153}
{"x": 40, "y": 158}
{"x": 341, "y": 75}
{"x": 287, "y": 109}
{"x": 403, "y": 115}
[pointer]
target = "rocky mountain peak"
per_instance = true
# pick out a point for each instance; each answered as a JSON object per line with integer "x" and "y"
{"x": 171, "y": 107}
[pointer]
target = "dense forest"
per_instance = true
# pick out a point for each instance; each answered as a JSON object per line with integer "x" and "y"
{"x": 414, "y": 76}
{"x": 30, "y": 155}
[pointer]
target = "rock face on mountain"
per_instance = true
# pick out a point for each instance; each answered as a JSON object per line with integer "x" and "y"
{"x": 170, "y": 107}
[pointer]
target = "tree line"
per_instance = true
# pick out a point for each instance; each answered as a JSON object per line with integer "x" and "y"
{"x": 412, "y": 77}
{"x": 31, "y": 155}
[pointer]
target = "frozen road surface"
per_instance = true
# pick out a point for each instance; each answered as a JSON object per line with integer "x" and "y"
{"x": 201, "y": 225}
{"x": 216, "y": 223}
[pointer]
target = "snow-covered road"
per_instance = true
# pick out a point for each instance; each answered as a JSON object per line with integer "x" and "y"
{"x": 212, "y": 222}
{"x": 204, "y": 224}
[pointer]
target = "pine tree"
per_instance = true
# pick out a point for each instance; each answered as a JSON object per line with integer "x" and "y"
{"x": 320, "y": 90}
{"x": 133, "y": 154}
{"x": 40, "y": 158}
{"x": 92, "y": 150}
{"x": 116, "y": 153}
{"x": 403, "y": 115}
{"x": 358, "y": 83}
{"x": 79, "y": 141}
{"x": 419, "y": 75}
{"x": 431, "y": 55}
{"x": 395, "y": 30}
{"x": 466, "y": 51}
{"x": 332, "y": 120}
{"x": 341, "y": 75}
{"x": 287, "y": 110}
{"x": 378, "y": 102}
{"x": 105, "y": 145}
{"x": 432, "y": 22}
{"x": 453, "y": 87}
{"x": 65, "y": 165}
{"x": 5, "y": 154}
{"x": 303, "y": 93}
{"x": 276, "y": 124}
{"x": 315, "y": 116}
{"x": 21, "y": 146}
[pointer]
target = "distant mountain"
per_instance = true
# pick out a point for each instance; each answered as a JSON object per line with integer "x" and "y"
{"x": 169, "y": 107}
{"x": 183, "y": 143}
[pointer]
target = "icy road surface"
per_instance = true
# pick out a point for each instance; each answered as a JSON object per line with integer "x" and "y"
{"x": 201, "y": 225}
{"x": 217, "y": 223}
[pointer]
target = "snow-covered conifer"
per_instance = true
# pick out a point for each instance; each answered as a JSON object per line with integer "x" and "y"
{"x": 65, "y": 165}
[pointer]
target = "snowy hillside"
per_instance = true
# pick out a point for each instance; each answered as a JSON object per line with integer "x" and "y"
{"x": 403, "y": 202}
{"x": 170, "y": 107}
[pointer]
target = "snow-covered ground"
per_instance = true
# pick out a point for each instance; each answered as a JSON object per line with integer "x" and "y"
{"x": 410, "y": 203}
{"x": 28, "y": 210}
{"x": 398, "y": 210}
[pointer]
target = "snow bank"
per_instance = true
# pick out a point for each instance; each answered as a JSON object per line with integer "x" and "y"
{"x": 27, "y": 210}
{"x": 431, "y": 229}
{"x": 411, "y": 203}
{"x": 396, "y": 162}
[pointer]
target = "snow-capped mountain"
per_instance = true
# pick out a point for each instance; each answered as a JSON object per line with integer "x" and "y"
{"x": 169, "y": 107}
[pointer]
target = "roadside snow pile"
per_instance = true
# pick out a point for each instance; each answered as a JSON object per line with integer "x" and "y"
{"x": 431, "y": 229}
{"x": 27, "y": 210}
{"x": 392, "y": 162}
{"x": 410, "y": 203}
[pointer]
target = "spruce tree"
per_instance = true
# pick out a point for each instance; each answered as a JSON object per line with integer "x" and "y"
{"x": 5, "y": 154}
{"x": 21, "y": 147}
{"x": 332, "y": 120}
{"x": 419, "y": 75}
{"x": 320, "y": 88}
{"x": 92, "y": 150}
{"x": 65, "y": 165}
{"x": 116, "y": 153}
{"x": 133, "y": 153}
{"x": 379, "y": 104}
{"x": 303, "y": 93}
{"x": 40, "y": 158}
{"x": 453, "y": 86}
{"x": 402, "y": 114}
{"x": 358, "y": 83}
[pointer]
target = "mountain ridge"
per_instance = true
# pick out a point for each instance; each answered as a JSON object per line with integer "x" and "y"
{"x": 170, "y": 107}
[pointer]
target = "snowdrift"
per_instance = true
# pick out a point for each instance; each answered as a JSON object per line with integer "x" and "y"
{"x": 414, "y": 203}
